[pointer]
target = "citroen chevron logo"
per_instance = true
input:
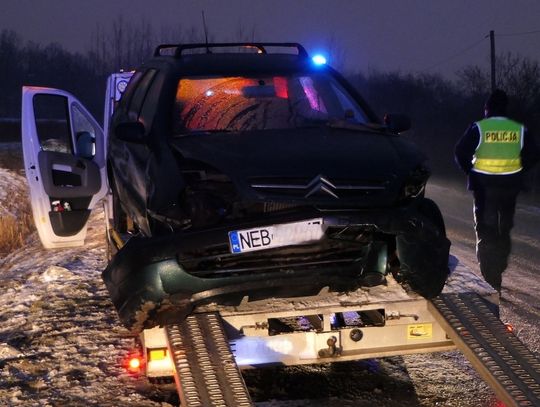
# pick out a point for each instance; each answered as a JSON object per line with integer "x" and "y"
{"x": 321, "y": 184}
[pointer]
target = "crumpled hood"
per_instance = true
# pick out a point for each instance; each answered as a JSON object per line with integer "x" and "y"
{"x": 304, "y": 154}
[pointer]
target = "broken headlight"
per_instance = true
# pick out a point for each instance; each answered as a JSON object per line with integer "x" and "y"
{"x": 208, "y": 196}
{"x": 415, "y": 184}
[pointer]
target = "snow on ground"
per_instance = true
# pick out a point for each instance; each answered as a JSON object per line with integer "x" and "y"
{"x": 61, "y": 344}
{"x": 12, "y": 186}
{"x": 60, "y": 341}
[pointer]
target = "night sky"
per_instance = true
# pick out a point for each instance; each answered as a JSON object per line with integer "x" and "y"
{"x": 414, "y": 35}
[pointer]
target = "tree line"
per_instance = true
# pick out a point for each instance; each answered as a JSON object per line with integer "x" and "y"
{"x": 123, "y": 45}
{"x": 440, "y": 108}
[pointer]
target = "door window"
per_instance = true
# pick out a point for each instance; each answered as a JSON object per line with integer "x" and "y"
{"x": 85, "y": 134}
{"x": 52, "y": 123}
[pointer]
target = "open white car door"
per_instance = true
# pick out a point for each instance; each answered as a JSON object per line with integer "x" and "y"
{"x": 64, "y": 160}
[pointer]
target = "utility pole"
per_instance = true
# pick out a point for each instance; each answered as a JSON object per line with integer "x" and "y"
{"x": 492, "y": 41}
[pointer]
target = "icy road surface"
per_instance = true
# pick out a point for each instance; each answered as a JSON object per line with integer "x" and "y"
{"x": 520, "y": 302}
{"x": 61, "y": 343}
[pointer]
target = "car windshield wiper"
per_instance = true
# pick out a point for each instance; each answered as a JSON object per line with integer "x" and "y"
{"x": 343, "y": 124}
{"x": 205, "y": 131}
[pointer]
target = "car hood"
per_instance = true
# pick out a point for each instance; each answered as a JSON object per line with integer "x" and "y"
{"x": 314, "y": 158}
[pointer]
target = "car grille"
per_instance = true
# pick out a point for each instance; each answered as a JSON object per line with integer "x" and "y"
{"x": 319, "y": 186}
{"x": 325, "y": 255}
{"x": 269, "y": 207}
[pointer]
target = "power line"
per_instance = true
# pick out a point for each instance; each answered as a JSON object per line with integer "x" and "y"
{"x": 457, "y": 54}
{"x": 518, "y": 34}
{"x": 473, "y": 45}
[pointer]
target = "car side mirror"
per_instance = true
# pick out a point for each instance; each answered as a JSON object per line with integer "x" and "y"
{"x": 396, "y": 122}
{"x": 86, "y": 145}
{"x": 132, "y": 132}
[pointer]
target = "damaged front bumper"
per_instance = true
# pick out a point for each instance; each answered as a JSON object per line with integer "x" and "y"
{"x": 152, "y": 281}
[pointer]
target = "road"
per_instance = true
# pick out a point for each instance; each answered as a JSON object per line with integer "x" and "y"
{"x": 520, "y": 300}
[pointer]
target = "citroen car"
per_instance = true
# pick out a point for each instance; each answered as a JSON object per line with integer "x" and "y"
{"x": 234, "y": 172}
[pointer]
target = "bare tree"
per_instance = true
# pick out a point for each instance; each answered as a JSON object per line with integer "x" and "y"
{"x": 473, "y": 81}
{"x": 125, "y": 44}
{"x": 10, "y": 72}
{"x": 518, "y": 76}
{"x": 243, "y": 33}
{"x": 337, "y": 53}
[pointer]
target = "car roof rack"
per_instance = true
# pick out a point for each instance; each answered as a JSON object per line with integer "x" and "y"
{"x": 178, "y": 49}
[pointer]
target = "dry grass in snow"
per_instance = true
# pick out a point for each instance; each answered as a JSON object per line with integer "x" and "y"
{"x": 13, "y": 232}
{"x": 16, "y": 222}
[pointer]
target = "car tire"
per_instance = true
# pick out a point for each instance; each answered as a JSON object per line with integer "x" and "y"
{"x": 430, "y": 210}
{"x": 423, "y": 251}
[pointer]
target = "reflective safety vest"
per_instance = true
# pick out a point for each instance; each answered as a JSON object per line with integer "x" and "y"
{"x": 499, "y": 149}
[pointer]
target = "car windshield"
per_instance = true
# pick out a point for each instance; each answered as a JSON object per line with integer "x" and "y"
{"x": 213, "y": 104}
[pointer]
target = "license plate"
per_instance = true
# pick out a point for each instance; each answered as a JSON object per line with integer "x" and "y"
{"x": 268, "y": 237}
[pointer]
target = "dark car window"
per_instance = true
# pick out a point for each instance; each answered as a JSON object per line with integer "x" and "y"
{"x": 52, "y": 122}
{"x": 136, "y": 102}
{"x": 130, "y": 89}
{"x": 150, "y": 103}
{"x": 260, "y": 103}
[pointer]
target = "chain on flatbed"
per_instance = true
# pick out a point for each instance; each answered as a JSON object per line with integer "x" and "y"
{"x": 511, "y": 369}
{"x": 206, "y": 373}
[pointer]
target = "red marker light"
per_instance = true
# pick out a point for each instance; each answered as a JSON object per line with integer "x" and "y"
{"x": 134, "y": 364}
{"x": 509, "y": 328}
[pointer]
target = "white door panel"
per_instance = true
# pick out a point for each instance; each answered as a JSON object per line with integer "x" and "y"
{"x": 64, "y": 158}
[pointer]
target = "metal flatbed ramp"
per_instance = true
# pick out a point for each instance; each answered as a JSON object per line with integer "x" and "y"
{"x": 206, "y": 373}
{"x": 511, "y": 369}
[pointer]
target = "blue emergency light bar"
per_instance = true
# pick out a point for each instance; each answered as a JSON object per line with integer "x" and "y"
{"x": 319, "y": 59}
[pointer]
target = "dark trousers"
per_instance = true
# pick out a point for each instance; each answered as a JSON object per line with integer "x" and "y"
{"x": 494, "y": 210}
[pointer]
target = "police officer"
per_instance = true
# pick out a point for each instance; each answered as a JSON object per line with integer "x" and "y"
{"x": 494, "y": 153}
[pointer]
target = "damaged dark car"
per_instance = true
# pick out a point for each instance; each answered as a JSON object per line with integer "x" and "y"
{"x": 247, "y": 171}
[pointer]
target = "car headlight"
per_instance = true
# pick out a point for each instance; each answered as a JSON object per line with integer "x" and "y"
{"x": 415, "y": 184}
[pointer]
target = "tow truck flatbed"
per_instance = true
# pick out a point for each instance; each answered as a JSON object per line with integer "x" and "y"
{"x": 367, "y": 323}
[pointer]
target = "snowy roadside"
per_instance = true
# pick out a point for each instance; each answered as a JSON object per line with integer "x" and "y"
{"x": 60, "y": 341}
{"x": 520, "y": 303}
{"x": 12, "y": 190}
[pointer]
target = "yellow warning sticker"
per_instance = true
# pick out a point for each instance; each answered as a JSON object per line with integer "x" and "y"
{"x": 420, "y": 331}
